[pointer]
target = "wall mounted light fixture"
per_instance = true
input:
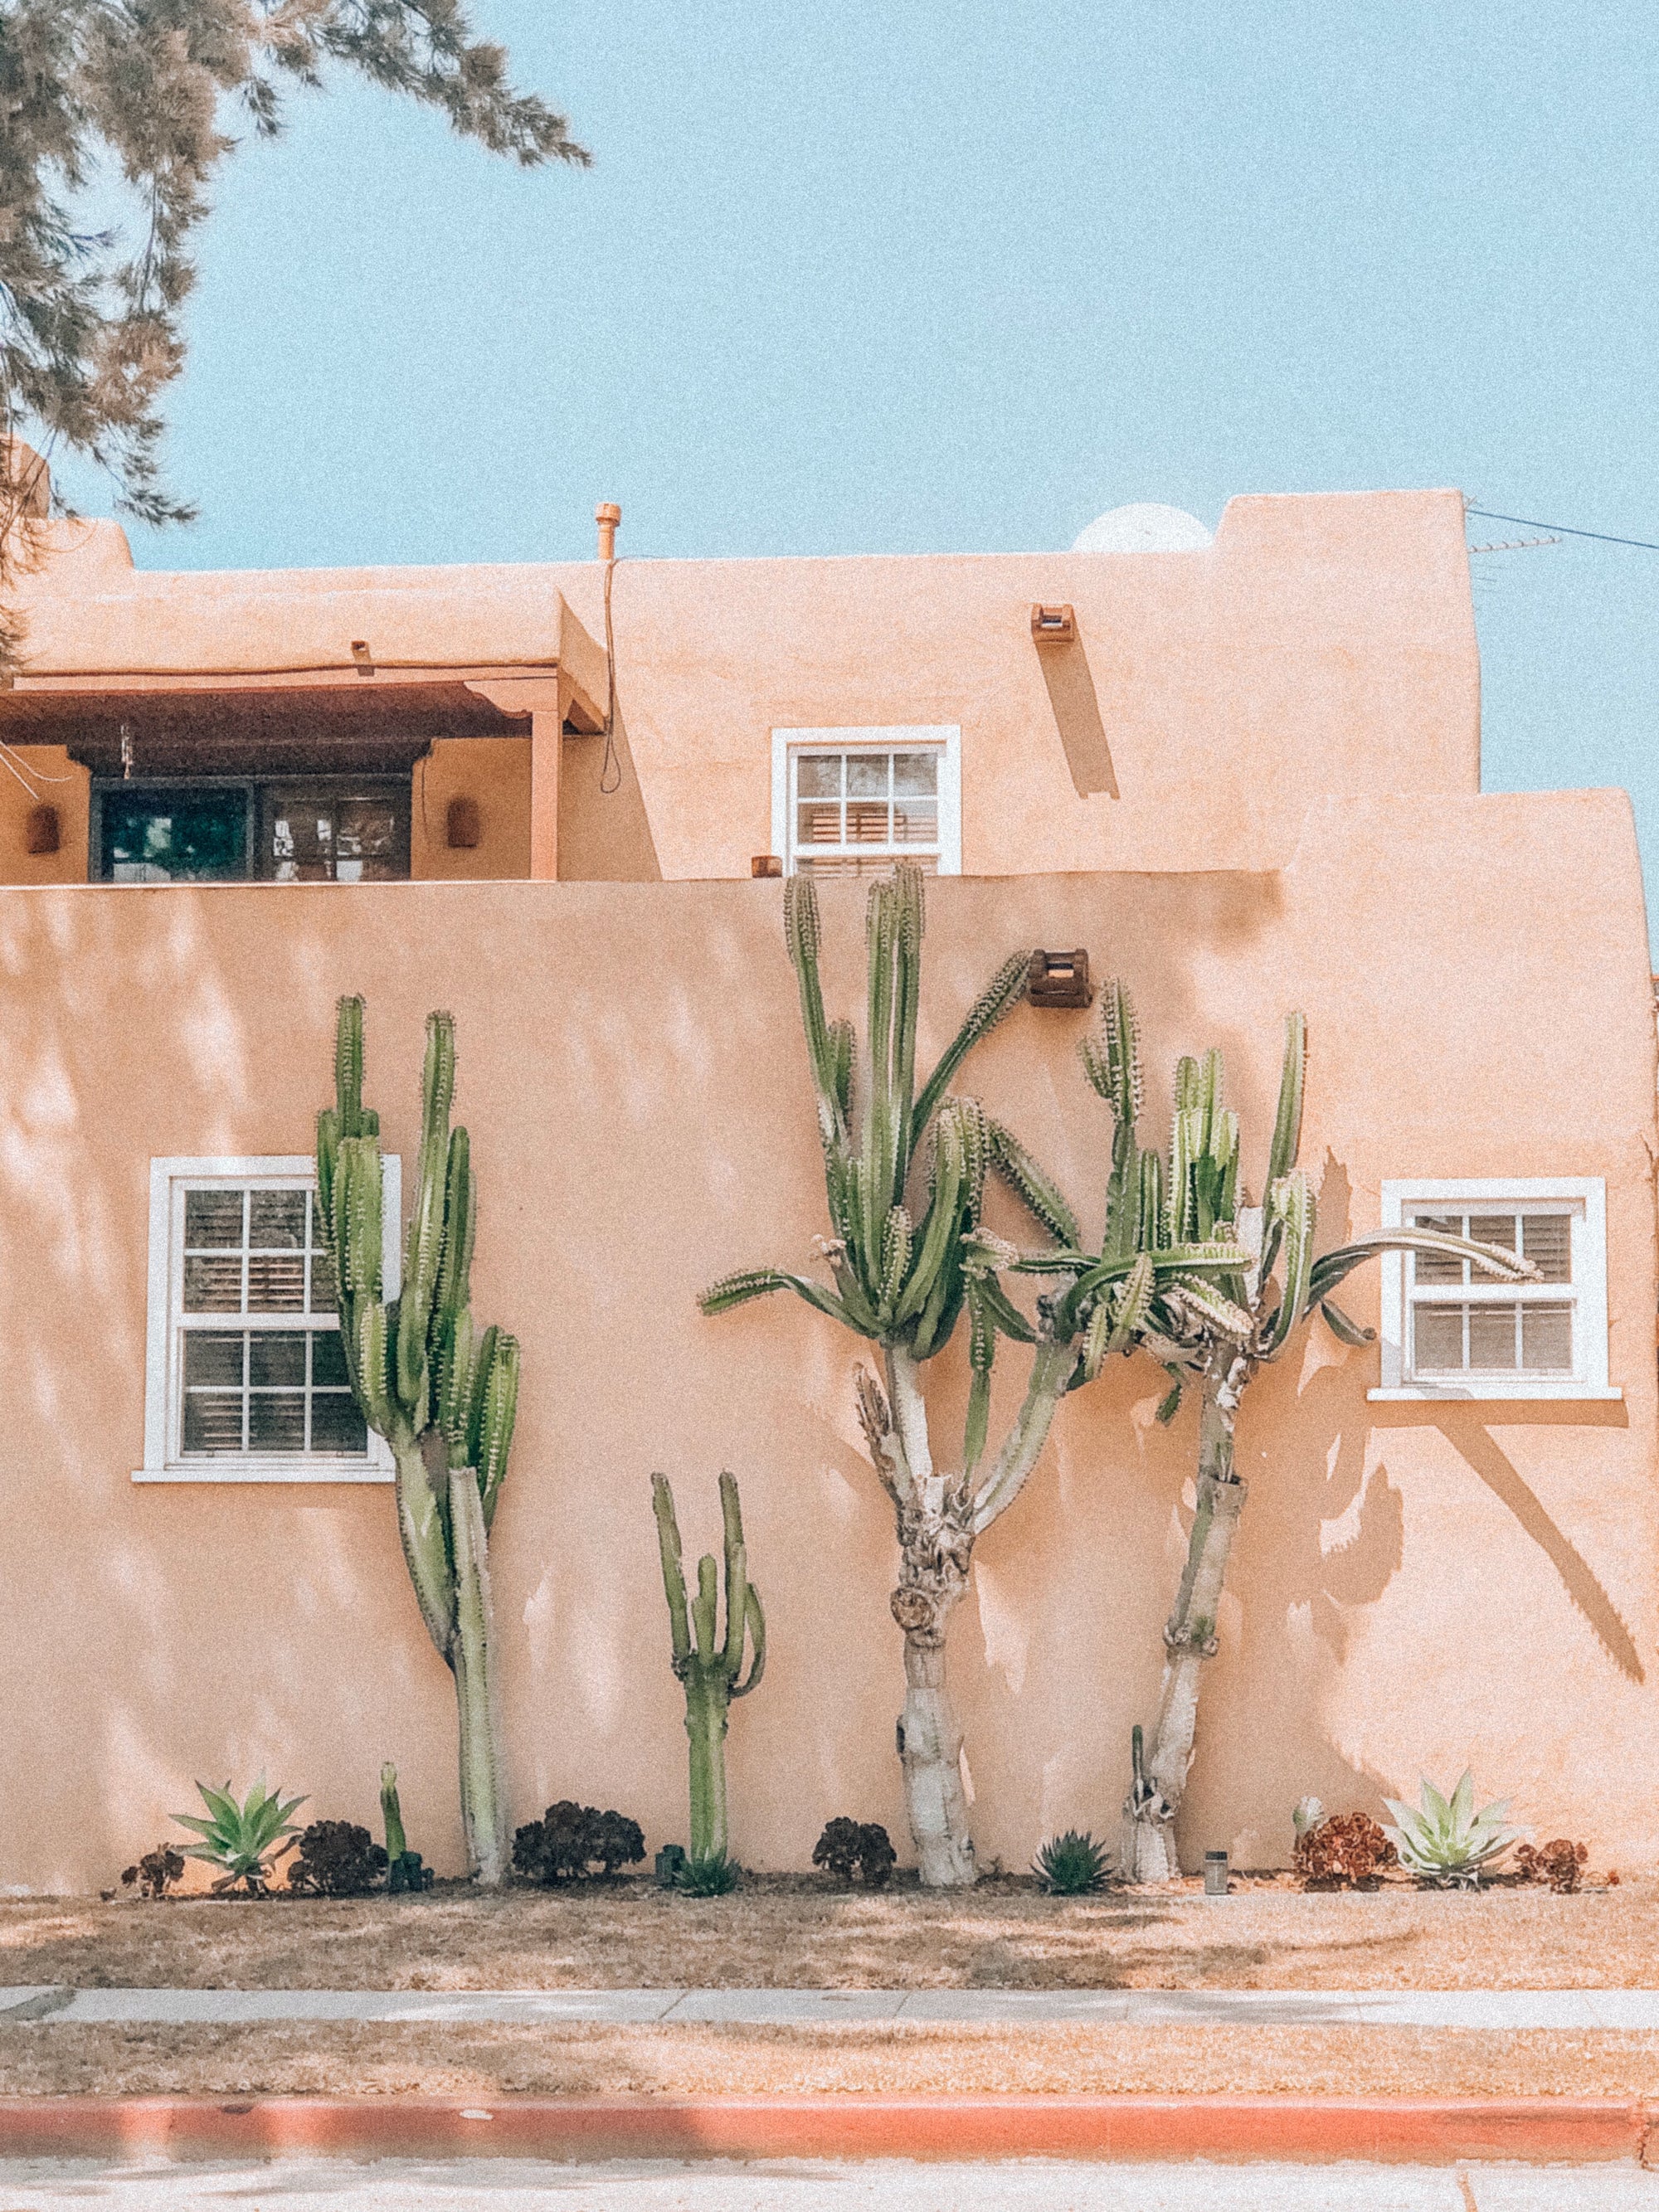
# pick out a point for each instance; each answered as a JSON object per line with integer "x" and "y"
{"x": 363, "y": 656}
{"x": 766, "y": 864}
{"x": 1053, "y": 625}
{"x": 1060, "y": 979}
{"x": 462, "y": 826}
{"x": 41, "y": 829}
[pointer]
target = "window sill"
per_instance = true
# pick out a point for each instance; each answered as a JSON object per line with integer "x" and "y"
{"x": 1491, "y": 1394}
{"x": 269, "y": 1471}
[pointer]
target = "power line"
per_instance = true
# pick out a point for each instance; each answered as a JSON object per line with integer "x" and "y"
{"x": 1530, "y": 522}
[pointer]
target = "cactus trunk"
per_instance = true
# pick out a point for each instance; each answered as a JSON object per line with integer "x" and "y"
{"x": 705, "y": 1728}
{"x": 484, "y": 1822}
{"x": 1149, "y": 1852}
{"x": 930, "y": 1752}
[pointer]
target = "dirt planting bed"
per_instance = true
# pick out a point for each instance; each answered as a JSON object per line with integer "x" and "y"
{"x": 796, "y": 1932}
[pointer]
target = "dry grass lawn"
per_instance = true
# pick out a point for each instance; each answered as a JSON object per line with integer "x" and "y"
{"x": 481, "y": 2063}
{"x": 795, "y": 1932}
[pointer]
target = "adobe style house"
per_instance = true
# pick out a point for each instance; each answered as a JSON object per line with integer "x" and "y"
{"x": 1244, "y": 774}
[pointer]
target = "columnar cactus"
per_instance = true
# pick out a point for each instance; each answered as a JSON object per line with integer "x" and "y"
{"x": 1212, "y": 1326}
{"x": 906, "y": 1256}
{"x": 708, "y": 1664}
{"x": 443, "y": 1394}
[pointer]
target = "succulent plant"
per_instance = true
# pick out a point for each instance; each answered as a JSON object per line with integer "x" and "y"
{"x": 1344, "y": 1851}
{"x": 863, "y": 1848}
{"x": 709, "y": 1666}
{"x": 1443, "y": 1841}
{"x": 337, "y": 1859}
{"x": 570, "y": 1840}
{"x": 442, "y": 1392}
{"x": 155, "y": 1872}
{"x": 711, "y": 1877}
{"x": 1560, "y": 1862}
{"x": 1073, "y": 1864}
{"x": 243, "y": 1840}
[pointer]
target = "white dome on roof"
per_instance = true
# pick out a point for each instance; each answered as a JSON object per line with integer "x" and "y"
{"x": 1144, "y": 528}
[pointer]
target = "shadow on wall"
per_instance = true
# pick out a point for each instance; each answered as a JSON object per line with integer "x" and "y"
{"x": 1077, "y": 717}
{"x": 605, "y": 832}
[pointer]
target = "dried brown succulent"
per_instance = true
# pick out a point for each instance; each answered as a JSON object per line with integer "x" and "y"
{"x": 1345, "y": 1850}
{"x": 1560, "y": 1862}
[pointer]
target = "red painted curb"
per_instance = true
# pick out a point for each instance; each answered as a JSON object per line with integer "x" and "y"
{"x": 1438, "y": 2130}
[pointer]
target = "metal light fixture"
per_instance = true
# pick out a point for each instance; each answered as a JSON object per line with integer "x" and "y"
{"x": 363, "y": 656}
{"x": 766, "y": 864}
{"x": 462, "y": 826}
{"x": 1052, "y": 625}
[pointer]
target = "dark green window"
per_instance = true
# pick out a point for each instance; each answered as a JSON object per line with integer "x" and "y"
{"x": 314, "y": 829}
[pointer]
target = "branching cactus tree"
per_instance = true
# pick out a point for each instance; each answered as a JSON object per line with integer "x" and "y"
{"x": 710, "y": 1665}
{"x": 442, "y": 1393}
{"x": 1212, "y": 1332}
{"x": 904, "y": 1173}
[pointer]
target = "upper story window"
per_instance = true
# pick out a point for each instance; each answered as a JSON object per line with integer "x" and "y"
{"x": 245, "y": 1374}
{"x": 851, "y": 802}
{"x": 232, "y": 830}
{"x": 1450, "y": 1331}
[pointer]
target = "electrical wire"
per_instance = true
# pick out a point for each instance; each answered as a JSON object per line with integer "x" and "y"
{"x": 1531, "y": 522}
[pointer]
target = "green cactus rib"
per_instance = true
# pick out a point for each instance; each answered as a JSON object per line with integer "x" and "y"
{"x": 442, "y": 1394}
{"x": 709, "y": 1665}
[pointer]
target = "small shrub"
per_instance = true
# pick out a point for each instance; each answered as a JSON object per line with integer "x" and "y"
{"x": 1443, "y": 1841}
{"x": 1073, "y": 1864}
{"x": 336, "y": 1859}
{"x": 242, "y": 1839}
{"x": 406, "y": 1873}
{"x": 1348, "y": 1851}
{"x": 1560, "y": 1862}
{"x": 715, "y": 1877}
{"x": 570, "y": 1839}
{"x": 849, "y": 1850}
{"x": 156, "y": 1872}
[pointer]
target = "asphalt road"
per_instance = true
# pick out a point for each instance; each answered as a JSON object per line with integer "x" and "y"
{"x": 875, "y": 2185}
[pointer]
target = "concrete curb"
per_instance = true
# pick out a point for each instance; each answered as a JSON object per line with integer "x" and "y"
{"x": 1430, "y": 2131}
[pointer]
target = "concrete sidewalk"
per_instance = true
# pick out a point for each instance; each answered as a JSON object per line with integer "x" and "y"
{"x": 1628, "y": 2009}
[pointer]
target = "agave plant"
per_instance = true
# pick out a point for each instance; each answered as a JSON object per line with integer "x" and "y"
{"x": 717, "y": 1877}
{"x": 907, "y": 1256}
{"x": 242, "y": 1840}
{"x": 1445, "y": 1841}
{"x": 1073, "y": 1864}
{"x": 1161, "y": 1283}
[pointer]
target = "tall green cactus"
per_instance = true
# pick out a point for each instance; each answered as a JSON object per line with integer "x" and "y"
{"x": 708, "y": 1664}
{"x": 443, "y": 1394}
{"x": 907, "y": 1255}
{"x": 1211, "y": 1325}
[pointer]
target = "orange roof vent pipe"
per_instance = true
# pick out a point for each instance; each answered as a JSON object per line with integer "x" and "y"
{"x": 608, "y": 516}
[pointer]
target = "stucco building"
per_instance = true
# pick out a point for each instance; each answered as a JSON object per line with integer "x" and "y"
{"x": 1244, "y": 774}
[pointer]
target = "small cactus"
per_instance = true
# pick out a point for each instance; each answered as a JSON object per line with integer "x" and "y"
{"x": 1073, "y": 1865}
{"x": 710, "y": 1665}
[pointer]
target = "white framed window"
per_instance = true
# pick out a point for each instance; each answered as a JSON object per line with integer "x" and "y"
{"x": 245, "y": 1374}
{"x": 1450, "y": 1331}
{"x": 851, "y": 802}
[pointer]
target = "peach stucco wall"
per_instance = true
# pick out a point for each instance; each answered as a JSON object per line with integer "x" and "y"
{"x": 1323, "y": 644}
{"x": 1416, "y": 1587}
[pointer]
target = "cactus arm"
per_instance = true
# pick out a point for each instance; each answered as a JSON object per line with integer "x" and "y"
{"x": 460, "y": 1227}
{"x": 673, "y": 1571}
{"x": 737, "y": 1576}
{"x": 1288, "y": 1121}
{"x": 755, "y": 1619}
{"x": 500, "y": 1417}
{"x": 705, "y": 1610}
{"x": 484, "y": 1823}
{"x": 426, "y": 1230}
{"x": 1035, "y": 1189}
{"x": 910, "y": 925}
{"x": 994, "y": 1004}
{"x": 756, "y": 1282}
{"x": 801, "y": 930}
{"x": 1291, "y": 1206}
{"x": 1334, "y": 1267}
{"x": 1051, "y": 1371}
{"x": 1342, "y": 1328}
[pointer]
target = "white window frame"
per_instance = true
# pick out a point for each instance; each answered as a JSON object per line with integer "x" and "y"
{"x": 163, "y": 1375}
{"x": 943, "y": 737}
{"x": 1586, "y": 1196}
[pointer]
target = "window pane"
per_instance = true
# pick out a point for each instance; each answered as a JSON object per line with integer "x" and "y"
{"x": 213, "y": 1421}
{"x": 1438, "y": 1267}
{"x": 175, "y": 836}
{"x": 1438, "y": 1339}
{"x": 868, "y": 774}
{"x": 861, "y": 864}
{"x": 1547, "y": 1339}
{"x": 915, "y": 822}
{"x": 1546, "y": 1241}
{"x": 818, "y": 825}
{"x": 277, "y": 1421}
{"x": 866, "y": 822}
{"x": 276, "y": 1356}
{"x": 275, "y": 1282}
{"x": 818, "y": 776}
{"x": 323, "y": 1293}
{"x": 335, "y": 1424}
{"x": 213, "y": 1284}
{"x": 328, "y": 1366}
{"x": 915, "y": 775}
{"x": 213, "y": 1216}
{"x": 366, "y": 841}
{"x": 1491, "y": 1339}
{"x": 1493, "y": 1229}
{"x": 276, "y": 1216}
{"x": 213, "y": 1357}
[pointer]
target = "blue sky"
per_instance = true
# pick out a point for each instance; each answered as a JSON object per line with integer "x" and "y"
{"x": 859, "y": 277}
